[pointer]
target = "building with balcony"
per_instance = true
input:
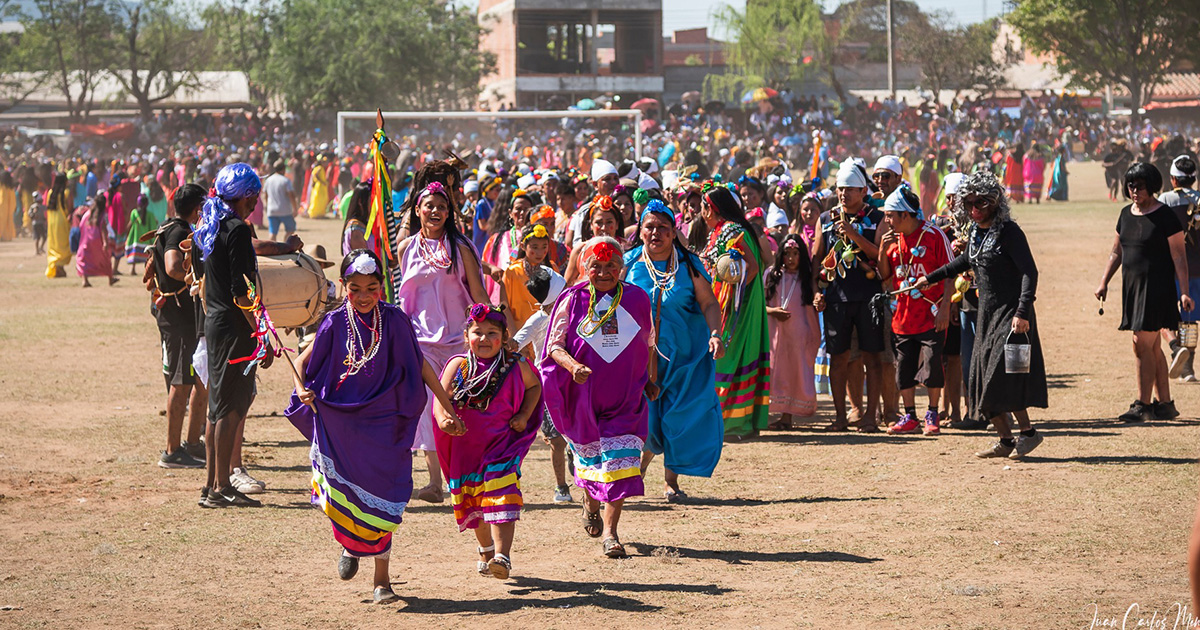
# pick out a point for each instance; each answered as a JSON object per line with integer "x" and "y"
{"x": 552, "y": 53}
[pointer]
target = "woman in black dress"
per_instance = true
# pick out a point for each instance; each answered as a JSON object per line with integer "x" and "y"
{"x": 1149, "y": 249}
{"x": 1006, "y": 275}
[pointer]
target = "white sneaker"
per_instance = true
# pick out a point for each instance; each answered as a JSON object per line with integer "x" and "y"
{"x": 1188, "y": 378}
{"x": 245, "y": 483}
{"x": 1179, "y": 361}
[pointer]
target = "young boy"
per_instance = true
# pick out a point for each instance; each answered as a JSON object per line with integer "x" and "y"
{"x": 912, "y": 248}
{"x": 545, "y": 285}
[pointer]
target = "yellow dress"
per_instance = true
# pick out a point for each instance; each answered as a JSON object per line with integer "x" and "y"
{"x": 58, "y": 241}
{"x": 8, "y": 205}
{"x": 319, "y": 198}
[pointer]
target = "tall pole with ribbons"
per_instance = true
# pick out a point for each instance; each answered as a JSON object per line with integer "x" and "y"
{"x": 382, "y": 221}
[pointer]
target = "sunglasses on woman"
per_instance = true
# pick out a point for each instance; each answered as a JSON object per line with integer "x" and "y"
{"x": 982, "y": 203}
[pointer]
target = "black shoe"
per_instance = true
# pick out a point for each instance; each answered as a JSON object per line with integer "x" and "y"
{"x": 178, "y": 459}
{"x": 196, "y": 450}
{"x": 968, "y": 425}
{"x": 237, "y": 499}
{"x": 213, "y": 499}
{"x": 347, "y": 566}
{"x": 1138, "y": 412}
{"x": 1165, "y": 410}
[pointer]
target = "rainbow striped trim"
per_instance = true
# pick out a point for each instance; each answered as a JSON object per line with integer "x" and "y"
{"x": 609, "y": 459}
{"x": 362, "y": 522}
{"x": 493, "y": 496}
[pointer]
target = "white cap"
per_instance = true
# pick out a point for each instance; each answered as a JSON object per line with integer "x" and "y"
{"x": 526, "y": 182}
{"x": 523, "y": 168}
{"x": 889, "y": 163}
{"x": 952, "y": 182}
{"x": 471, "y": 186}
{"x": 601, "y": 168}
{"x": 776, "y": 216}
{"x": 647, "y": 183}
{"x": 849, "y": 176}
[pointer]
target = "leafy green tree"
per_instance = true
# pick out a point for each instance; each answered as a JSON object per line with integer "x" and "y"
{"x": 66, "y": 44}
{"x": 239, "y": 32}
{"x": 865, "y": 22}
{"x": 363, "y": 54}
{"x": 768, "y": 43}
{"x": 154, "y": 51}
{"x": 955, "y": 57}
{"x": 1098, "y": 43}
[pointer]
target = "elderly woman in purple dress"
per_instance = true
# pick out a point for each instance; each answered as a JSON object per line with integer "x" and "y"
{"x": 597, "y": 372}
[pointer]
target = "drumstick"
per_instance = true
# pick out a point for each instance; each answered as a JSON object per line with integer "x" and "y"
{"x": 283, "y": 347}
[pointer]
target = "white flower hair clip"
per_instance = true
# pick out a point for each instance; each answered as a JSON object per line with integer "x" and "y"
{"x": 363, "y": 264}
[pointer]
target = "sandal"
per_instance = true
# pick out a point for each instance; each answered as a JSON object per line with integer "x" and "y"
{"x": 837, "y": 426}
{"x": 385, "y": 595}
{"x": 481, "y": 566}
{"x": 500, "y": 566}
{"x": 866, "y": 426}
{"x": 613, "y": 548}
{"x": 430, "y": 494}
{"x": 592, "y": 523}
{"x": 675, "y": 496}
{"x": 780, "y": 425}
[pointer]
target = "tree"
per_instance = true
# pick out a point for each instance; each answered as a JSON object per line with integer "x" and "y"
{"x": 767, "y": 45}
{"x": 865, "y": 22}
{"x": 241, "y": 35}
{"x": 155, "y": 52}
{"x": 363, "y": 54}
{"x": 66, "y": 44}
{"x": 953, "y": 57}
{"x": 1098, "y": 43}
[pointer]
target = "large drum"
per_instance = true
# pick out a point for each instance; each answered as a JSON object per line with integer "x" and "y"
{"x": 293, "y": 289}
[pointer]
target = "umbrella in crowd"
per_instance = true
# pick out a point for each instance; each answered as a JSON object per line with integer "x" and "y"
{"x": 759, "y": 94}
{"x": 645, "y": 104}
{"x": 586, "y": 104}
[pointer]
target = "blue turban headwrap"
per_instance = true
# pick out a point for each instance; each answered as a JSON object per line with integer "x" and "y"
{"x": 658, "y": 207}
{"x": 235, "y": 181}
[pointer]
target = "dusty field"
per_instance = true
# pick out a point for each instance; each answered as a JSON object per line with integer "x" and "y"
{"x": 799, "y": 529}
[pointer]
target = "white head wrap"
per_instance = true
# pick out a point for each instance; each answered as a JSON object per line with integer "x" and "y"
{"x": 557, "y": 284}
{"x": 601, "y": 168}
{"x": 895, "y": 202}
{"x": 776, "y": 216}
{"x": 526, "y": 182}
{"x": 471, "y": 186}
{"x": 889, "y": 163}
{"x": 848, "y": 176}
{"x": 952, "y": 182}
{"x": 1178, "y": 172}
{"x": 646, "y": 182}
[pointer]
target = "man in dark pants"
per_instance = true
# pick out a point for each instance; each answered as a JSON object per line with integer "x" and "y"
{"x": 225, "y": 242}
{"x": 175, "y": 311}
{"x": 846, "y": 299}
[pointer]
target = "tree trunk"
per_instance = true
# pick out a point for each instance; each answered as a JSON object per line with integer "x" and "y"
{"x": 1135, "y": 101}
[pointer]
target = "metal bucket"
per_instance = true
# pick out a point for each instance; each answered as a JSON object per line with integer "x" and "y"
{"x": 1189, "y": 334}
{"x": 1017, "y": 356}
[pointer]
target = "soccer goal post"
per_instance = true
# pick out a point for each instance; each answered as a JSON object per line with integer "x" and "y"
{"x": 635, "y": 114}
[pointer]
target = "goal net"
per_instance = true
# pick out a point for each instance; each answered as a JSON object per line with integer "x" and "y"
{"x": 615, "y": 131}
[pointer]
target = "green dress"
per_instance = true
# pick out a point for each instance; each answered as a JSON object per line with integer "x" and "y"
{"x": 744, "y": 373}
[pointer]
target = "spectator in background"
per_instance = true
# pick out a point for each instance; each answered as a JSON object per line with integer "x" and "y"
{"x": 280, "y": 199}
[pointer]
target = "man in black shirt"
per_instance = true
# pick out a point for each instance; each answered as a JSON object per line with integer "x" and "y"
{"x": 225, "y": 243}
{"x": 174, "y": 309}
{"x": 852, "y": 226}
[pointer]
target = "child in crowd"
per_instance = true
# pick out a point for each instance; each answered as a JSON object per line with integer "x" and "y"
{"x": 358, "y": 399}
{"x": 545, "y": 285}
{"x": 531, "y": 254}
{"x": 496, "y": 393}
{"x": 912, "y": 248}
{"x": 795, "y": 333}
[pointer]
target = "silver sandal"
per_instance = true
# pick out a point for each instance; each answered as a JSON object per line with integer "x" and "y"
{"x": 481, "y": 566}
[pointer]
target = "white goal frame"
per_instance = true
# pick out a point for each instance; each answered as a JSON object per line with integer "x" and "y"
{"x": 635, "y": 114}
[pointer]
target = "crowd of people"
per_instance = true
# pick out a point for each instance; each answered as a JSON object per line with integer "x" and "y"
{"x": 626, "y": 309}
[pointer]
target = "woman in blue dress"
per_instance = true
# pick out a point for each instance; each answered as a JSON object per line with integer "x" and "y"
{"x": 685, "y": 421}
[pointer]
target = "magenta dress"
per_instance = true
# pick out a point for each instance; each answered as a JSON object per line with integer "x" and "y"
{"x": 605, "y": 419}
{"x": 94, "y": 257}
{"x": 437, "y": 302}
{"x": 483, "y": 466}
{"x": 794, "y": 344}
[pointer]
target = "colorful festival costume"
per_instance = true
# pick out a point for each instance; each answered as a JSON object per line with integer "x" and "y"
{"x": 685, "y": 423}
{"x": 605, "y": 419}
{"x": 483, "y": 465}
{"x": 437, "y": 302}
{"x": 744, "y": 373}
{"x": 363, "y": 426}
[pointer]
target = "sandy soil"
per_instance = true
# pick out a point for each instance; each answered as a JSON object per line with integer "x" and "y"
{"x": 799, "y": 529}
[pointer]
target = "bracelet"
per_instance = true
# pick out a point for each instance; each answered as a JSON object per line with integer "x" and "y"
{"x": 715, "y": 335}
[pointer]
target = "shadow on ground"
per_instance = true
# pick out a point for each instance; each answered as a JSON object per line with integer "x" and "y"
{"x": 735, "y": 556}
{"x": 605, "y": 595}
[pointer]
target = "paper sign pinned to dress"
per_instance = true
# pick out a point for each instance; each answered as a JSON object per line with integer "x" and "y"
{"x": 614, "y": 335}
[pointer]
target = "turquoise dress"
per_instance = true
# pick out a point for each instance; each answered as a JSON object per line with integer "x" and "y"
{"x": 685, "y": 422}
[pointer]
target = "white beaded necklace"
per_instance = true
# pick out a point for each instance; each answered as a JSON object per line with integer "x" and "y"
{"x": 358, "y": 354}
{"x": 663, "y": 280}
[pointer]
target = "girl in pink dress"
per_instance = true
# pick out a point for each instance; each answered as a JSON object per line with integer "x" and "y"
{"x": 439, "y": 279}
{"x": 795, "y": 333}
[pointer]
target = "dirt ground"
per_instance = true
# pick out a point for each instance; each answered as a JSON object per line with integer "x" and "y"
{"x": 798, "y": 529}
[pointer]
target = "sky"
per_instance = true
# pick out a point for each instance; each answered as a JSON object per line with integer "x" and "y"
{"x": 683, "y": 14}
